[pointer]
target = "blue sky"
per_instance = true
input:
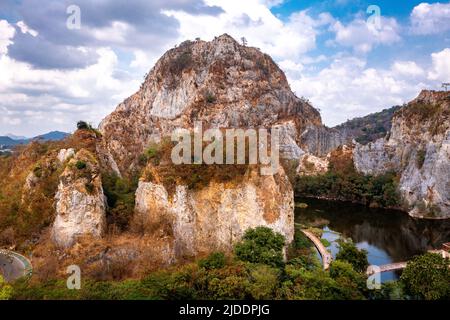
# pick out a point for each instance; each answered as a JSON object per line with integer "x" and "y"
{"x": 347, "y": 63}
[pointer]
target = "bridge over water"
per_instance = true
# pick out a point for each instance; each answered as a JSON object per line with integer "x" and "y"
{"x": 372, "y": 269}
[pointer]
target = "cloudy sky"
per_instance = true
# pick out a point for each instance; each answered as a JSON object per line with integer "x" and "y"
{"x": 339, "y": 54}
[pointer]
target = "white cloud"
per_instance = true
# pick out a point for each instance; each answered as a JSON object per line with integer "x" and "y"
{"x": 56, "y": 99}
{"x": 348, "y": 88}
{"x": 6, "y": 34}
{"x": 430, "y": 18}
{"x": 116, "y": 32}
{"x": 363, "y": 36}
{"x": 407, "y": 68}
{"x": 254, "y": 21}
{"x": 441, "y": 66}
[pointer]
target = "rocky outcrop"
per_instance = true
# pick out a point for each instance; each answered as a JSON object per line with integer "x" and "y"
{"x": 320, "y": 140}
{"x": 65, "y": 154}
{"x": 80, "y": 202}
{"x": 312, "y": 165}
{"x": 418, "y": 149}
{"x": 215, "y": 217}
{"x": 220, "y": 83}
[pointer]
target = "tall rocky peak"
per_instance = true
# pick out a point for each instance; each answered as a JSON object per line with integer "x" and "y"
{"x": 221, "y": 83}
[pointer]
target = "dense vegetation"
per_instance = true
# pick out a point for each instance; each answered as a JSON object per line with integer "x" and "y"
{"x": 120, "y": 195}
{"x": 343, "y": 182}
{"x": 234, "y": 277}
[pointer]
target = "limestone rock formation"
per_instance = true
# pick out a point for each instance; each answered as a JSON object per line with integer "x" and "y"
{"x": 312, "y": 165}
{"x": 418, "y": 149}
{"x": 320, "y": 140}
{"x": 221, "y": 83}
{"x": 65, "y": 154}
{"x": 80, "y": 202}
{"x": 215, "y": 217}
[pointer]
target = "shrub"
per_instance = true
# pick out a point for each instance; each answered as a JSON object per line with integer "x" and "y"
{"x": 263, "y": 283}
{"x": 6, "y": 290}
{"x": 80, "y": 165}
{"x": 83, "y": 125}
{"x": 209, "y": 97}
{"x": 215, "y": 260}
{"x": 325, "y": 242}
{"x": 261, "y": 245}
{"x": 427, "y": 277}
{"x": 37, "y": 171}
{"x": 345, "y": 275}
{"x": 120, "y": 195}
{"x": 350, "y": 253}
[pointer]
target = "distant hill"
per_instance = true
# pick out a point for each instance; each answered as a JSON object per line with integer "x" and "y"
{"x": 6, "y": 142}
{"x": 52, "y": 136}
{"x": 369, "y": 128}
{"x": 14, "y": 137}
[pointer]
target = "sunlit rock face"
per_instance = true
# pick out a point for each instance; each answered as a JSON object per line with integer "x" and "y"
{"x": 80, "y": 202}
{"x": 215, "y": 217}
{"x": 220, "y": 83}
{"x": 418, "y": 149}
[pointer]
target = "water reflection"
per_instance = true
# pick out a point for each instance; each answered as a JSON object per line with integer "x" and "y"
{"x": 387, "y": 235}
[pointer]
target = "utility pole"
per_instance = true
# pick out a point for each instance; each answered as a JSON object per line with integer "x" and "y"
{"x": 445, "y": 85}
{"x": 244, "y": 41}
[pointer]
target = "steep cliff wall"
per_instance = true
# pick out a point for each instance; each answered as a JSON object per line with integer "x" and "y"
{"x": 418, "y": 149}
{"x": 215, "y": 217}
{"x": 80, "y": 202}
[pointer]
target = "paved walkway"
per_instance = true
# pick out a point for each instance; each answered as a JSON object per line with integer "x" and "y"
{"x": 326, "y": 256}
{"x": 13, "y": 265}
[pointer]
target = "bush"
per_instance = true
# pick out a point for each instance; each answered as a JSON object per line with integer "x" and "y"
{"x": 6, "y": 290}
{"x": 215, "y": 260}
{"x": 263, "y": 283}
{"x": 345, "y": 275}
{"x": 350, "y": 253}
{"x": 427, "y": 277}
{"x": 120, "y": 195}
{"x": 261, "y": 245}
{"x": 325, "y": 242}
{"x": 83, "y": 125}
{"x": 210, "y": 98}
{"x": 80, "y": 165}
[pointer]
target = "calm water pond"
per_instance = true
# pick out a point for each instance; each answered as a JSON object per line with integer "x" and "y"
{"x": 388, "y": 235}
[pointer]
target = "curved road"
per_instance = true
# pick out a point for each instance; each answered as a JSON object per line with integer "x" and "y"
{"x": 13, "y": 265}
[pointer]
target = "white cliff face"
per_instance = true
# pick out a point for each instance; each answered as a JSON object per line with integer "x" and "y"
{"x": 65, "y": 154}
{"x": 80, "y": 203}
{"x": 289, "y": 148}
{"x": 312, "y": 165}
{"x": 217, "y": 216}
{"x": 418, "y": 149}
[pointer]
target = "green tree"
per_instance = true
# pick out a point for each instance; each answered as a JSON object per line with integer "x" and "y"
{"x": 261, "y": 245}
{"x": 6, "y": 290}
{"x": 427, "y": 277}
{"x": 350, "y": 253}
